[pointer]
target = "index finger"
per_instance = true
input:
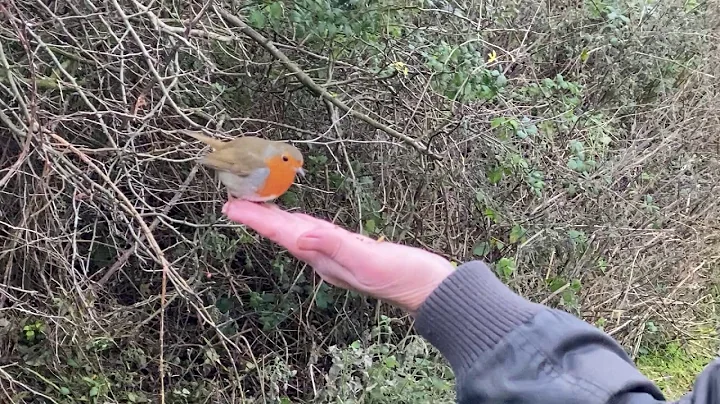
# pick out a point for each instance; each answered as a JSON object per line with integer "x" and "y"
{"x": 264, "y": 220}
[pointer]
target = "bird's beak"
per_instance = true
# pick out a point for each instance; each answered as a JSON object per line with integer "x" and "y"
{"x": 300, "y": 171}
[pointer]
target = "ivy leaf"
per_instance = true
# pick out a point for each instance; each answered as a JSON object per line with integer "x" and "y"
{"x": 481, "y": 249}
{"x": 257, "y": 19}
{"x": 322, "y": 299}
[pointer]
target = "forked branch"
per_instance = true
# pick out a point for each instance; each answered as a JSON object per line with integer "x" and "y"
{"x": 309, "y": 83}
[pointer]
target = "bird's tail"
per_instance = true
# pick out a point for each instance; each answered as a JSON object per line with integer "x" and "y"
{"x": 212, "y": 142}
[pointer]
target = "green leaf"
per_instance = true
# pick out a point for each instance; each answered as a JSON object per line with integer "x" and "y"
{"x": 516, "y": 233}
{"x": 495, "y": 122}
{"x": 495, "y": 175}
{"x": 132, "y": 397}
{"x": 576, "y": 164}
{"x": 332, "y": 30}
{"x": 94, "y": 391}
{"x": 296, "y": 17}
{"x": 482, "y": 249}
{"x": 391, "y": 362}
{"x": 370, "y": 226}
{"x": 584, "y": 55}
{"x": 556, "y": 284}
{"x": 505, "y": 267}
{"x": 577, "y": 237}
{"x": 531, "y": 129}
{"x": 490, "y": 214}
{"x": 290, "y": 198}
{"x": 223, "y": 304}
{"x": 480, "y": 197}
{"x": 257, "y": 19}
{"x": 501, "y": 80}
{"x": 468, "y": 90}
{"x": 322, "y": 299}
{"x": 577, "y": 147}
{"x": 64, "y": 391}
{"x": 276, "y": 11}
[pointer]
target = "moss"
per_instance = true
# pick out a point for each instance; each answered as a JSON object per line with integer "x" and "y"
{"x": 675, "y": 365}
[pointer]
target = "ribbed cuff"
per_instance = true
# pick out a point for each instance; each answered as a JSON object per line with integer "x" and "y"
{"x": 469, "y": 313}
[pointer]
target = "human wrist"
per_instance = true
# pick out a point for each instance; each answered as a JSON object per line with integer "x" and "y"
{"x": 435, "y": 274}
{"x": 470, "y": 312}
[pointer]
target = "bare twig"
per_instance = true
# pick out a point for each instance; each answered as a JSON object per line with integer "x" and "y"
{"x": 308, "y": 81}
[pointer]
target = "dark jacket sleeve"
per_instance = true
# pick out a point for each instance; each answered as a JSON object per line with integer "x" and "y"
{"x": 505, "y": 349}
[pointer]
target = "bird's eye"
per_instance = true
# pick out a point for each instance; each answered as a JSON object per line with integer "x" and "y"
{"x": 285, "y": 158}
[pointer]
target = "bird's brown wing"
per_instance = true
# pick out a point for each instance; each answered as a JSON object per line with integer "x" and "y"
{"x": 235, "y": 160}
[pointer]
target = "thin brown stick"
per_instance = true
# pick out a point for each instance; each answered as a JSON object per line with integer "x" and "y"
{"x": 149, "y": 237}
{"x": 127, "y": 253}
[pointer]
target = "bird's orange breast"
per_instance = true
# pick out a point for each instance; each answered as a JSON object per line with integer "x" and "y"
{"x": 279, "y": 179}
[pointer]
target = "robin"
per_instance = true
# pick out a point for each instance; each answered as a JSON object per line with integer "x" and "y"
{"x": 252, "y": 168}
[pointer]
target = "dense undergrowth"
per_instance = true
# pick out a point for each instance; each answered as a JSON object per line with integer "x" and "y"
{"x": 572, "y": 145}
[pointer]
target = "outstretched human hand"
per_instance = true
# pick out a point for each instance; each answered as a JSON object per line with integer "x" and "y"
{"x": 401, "y": 275}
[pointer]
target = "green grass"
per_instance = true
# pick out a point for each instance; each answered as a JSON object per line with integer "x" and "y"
{"x": 675, "y": 365}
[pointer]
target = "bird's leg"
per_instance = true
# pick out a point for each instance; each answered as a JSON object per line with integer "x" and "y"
{"x": 229, "y": 199}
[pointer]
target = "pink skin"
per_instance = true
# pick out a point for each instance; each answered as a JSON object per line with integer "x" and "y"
{"x": 401, "y": 275}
